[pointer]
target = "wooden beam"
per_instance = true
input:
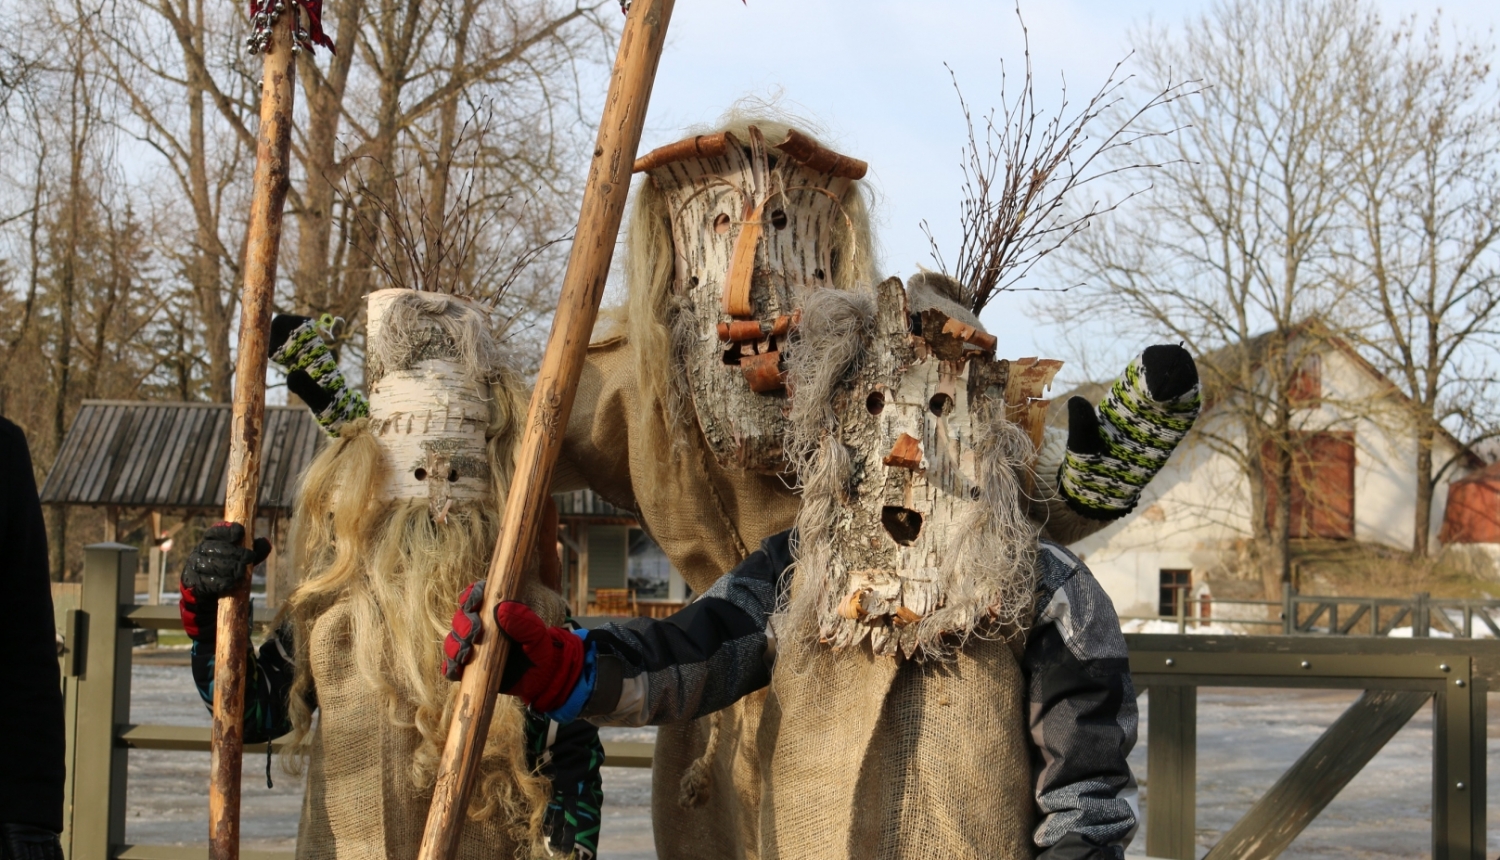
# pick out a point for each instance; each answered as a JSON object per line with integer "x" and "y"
{"x": 155, "y": 569}
{"x": 581, "y": 600}
{"x": 568, "y": 541}
{"x": 1319, "y": 775}
{"x": 1172, "y": 771}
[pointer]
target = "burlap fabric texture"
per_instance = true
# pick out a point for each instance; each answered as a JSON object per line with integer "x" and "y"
{"x": 360, "y": 803}
{"x": 879, "y": 757}
{"x": 706, "y": 519}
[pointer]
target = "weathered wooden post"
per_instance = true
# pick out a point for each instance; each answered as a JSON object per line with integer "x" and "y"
{"x": 551, "y": 402}
{"x": 272, "y": 176}
{"x": 97, "y": 698}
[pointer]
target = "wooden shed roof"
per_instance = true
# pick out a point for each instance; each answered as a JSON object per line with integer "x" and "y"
{"x": 173, "y": 455}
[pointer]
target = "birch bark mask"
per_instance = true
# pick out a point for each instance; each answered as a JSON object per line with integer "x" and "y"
{"x": 753, "y": 228}
{"x": 913, "y": 530}
{"x": 431, "y": 359}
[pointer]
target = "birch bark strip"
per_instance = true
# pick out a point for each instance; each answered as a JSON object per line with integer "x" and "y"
{"x": 272, "y": 169}
{"x": 551, "y": 402}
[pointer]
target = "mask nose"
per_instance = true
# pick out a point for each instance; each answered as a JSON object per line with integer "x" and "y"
{"x": 742, "y": 264}
{"x": 441, "y": 477}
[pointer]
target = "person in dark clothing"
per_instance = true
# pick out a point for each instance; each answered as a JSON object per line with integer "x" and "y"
{"x": 31, "y": 792}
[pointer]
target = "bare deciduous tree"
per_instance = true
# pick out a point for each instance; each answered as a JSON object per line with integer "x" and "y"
{"x": 1422, "y": 252}
{"x": 1020, "y": 188}
{"x": 1229, "y": 251}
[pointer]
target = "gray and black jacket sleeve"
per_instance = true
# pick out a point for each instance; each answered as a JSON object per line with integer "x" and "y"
{"x": 705, "y": 657}
{"x": 1082, "y": 714}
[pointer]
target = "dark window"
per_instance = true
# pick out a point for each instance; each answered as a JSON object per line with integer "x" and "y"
{"x": 1174, "y": 587}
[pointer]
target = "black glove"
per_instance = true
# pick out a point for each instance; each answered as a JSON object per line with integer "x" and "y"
{"x": 24, "y": 842}
{"x": 218, "y": 563}
{"x": 214, "y": 567}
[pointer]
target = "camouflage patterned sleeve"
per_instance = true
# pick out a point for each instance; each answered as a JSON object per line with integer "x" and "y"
{"x": 268, "y": 683}
{"x": 570, "y": 755}
{"x": 1082, "y": 714}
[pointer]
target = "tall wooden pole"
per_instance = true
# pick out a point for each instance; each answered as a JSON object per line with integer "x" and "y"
{"x": 551, "y": 402}
{"x": 272, "y": 170}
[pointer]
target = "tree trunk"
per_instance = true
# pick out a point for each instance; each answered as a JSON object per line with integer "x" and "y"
{"x": 78, "y": 131}
{"x": 216, "y": 302}
{"x": 321, "y": 166}
{"x": 1422, "y": 515}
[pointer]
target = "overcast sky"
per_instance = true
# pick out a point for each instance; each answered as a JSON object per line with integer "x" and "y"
{"x": 871, "y": 72}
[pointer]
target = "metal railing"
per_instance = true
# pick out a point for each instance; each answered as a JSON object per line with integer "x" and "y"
{"x": 1398, "y": 676}
{"x": 1322, "y": 615}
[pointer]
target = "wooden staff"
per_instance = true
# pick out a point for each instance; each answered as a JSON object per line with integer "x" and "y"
{"x": 551, "y": 402}
{"x": 269, "y": 195}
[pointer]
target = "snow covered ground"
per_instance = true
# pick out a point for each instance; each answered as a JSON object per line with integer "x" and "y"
{"x": 1246, "y": 739}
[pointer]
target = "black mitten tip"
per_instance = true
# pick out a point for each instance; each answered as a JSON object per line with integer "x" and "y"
{"x": 260, "y": 550}
{"x": 300, "y": 383}
{"x": 282, "y": 326}
{"x": 517, "y": 664}
{"x": 1170, "y": 371}
{"x": 1084, "y": 434}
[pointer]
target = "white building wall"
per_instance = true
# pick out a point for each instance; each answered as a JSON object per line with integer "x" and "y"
{"x": 1385, "y": 478}
{"x": 1197, "y": 503}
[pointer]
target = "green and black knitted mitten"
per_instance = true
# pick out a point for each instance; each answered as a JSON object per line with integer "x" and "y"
{"x": 312, "y": 373}
{"x": 1146, "y": 413}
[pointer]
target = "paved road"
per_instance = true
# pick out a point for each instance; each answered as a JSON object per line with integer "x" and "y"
{"x": 1246, "y": 739}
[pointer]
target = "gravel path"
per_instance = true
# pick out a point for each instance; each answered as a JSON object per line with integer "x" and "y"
{"x": 1246, "y": 739}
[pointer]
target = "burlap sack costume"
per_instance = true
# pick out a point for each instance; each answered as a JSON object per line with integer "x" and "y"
{"x": 940, "y": 769}
{"x": 636, "y": 437}
{"x": 392, "y": 521}
{"x": 704, "y": 517}
{"x": 896, "y": 721}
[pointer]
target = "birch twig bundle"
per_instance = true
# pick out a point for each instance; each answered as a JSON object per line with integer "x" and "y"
{"x": 551, "y": 402}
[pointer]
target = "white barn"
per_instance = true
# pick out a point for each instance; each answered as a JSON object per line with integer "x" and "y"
{"x": 1195, "y": 516}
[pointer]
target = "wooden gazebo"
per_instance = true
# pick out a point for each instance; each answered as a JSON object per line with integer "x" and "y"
{"x": 142, "y": 460}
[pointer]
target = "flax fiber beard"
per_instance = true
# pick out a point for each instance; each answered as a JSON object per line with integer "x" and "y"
{"x": 380, "y": 578}
{"x": 705, "y": 517}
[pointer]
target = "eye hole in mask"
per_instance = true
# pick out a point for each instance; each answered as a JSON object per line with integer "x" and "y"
{"x": 902, "y": 524}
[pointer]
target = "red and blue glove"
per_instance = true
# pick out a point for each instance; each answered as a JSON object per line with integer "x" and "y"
{"x": 215, "y": 566}
{"x": 548, "y": 668}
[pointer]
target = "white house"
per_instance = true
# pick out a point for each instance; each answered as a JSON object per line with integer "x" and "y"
{"x": 1195, "y": 515}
